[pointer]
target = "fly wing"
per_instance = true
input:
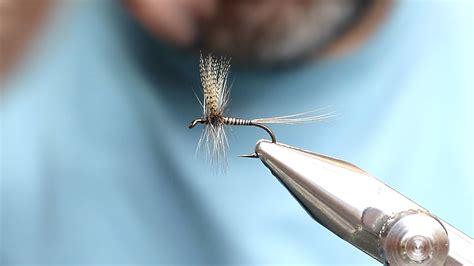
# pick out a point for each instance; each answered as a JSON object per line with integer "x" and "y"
{"x": 214, "y": 72}
{"x": 224, "y": 90}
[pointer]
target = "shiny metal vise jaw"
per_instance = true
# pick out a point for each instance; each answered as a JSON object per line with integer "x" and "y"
{"x": 364, "y": 211}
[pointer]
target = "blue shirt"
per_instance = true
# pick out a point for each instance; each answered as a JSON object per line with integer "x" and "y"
{"x": 98, "y": 166}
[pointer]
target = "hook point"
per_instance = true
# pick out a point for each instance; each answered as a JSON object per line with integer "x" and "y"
{"x": 250, "y": 155}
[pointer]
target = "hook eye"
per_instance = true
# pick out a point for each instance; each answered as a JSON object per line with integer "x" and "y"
{"x": 197, "y": 121}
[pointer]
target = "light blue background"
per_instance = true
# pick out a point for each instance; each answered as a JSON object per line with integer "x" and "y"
{"x": 98, "y": 166}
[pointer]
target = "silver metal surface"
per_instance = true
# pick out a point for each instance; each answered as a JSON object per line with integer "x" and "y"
{"x": 364, "y": 211}
{"x": 414, "y": 238}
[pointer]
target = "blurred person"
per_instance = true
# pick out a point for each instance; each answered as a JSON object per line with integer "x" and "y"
{"x": 98, "y": 167}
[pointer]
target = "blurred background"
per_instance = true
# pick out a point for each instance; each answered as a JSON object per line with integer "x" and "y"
{"x": 97, "y": 165}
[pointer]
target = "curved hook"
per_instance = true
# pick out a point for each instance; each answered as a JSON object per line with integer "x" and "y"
{"x": 241, "y": 122}
{"x": 266, "y": 128}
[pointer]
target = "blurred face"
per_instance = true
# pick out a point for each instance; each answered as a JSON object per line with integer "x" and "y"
{"x": 272, "y": 30}
{"x": 263, "y": 31}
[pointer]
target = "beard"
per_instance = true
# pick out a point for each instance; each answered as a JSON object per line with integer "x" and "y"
{"x": 271, "y": 31}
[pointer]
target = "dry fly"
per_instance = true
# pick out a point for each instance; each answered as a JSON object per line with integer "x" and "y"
{"x": 214, "y": 72}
